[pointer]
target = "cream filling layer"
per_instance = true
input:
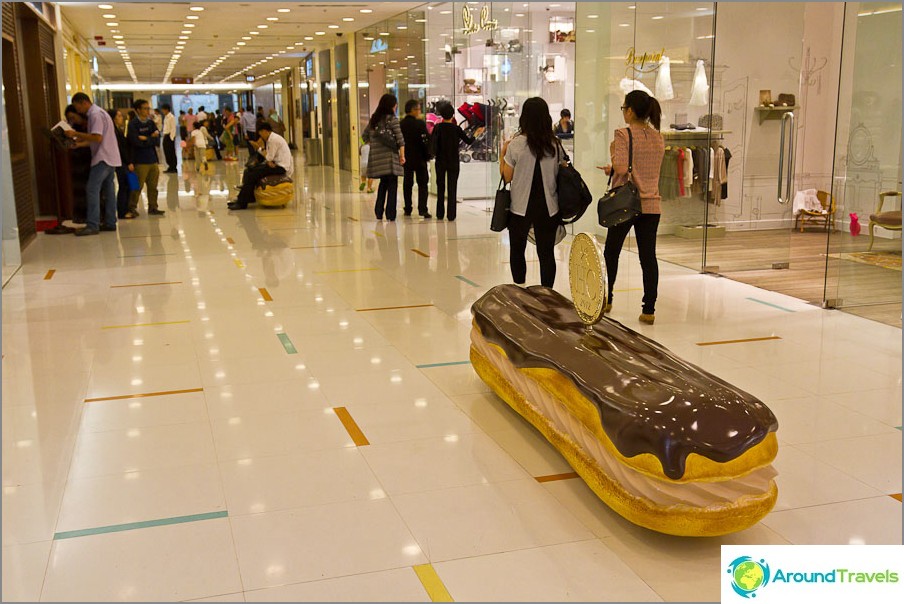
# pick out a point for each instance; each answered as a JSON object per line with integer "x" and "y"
{"x": 661, "y": 492}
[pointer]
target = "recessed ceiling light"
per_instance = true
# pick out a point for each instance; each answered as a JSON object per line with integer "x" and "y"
{"x": 193, "y": 17}
{"x": 254, "y": 33}
{"x": 246, "y": 37}
{"x": 197, "y": 8}
{"x": 241, "y": 43}
{"x": 384, "y": 33}
{"x": 401, "y": 27}
{"x": 114, "y": 31}
{"x": 282, "y": 10}
{"x": 624, "y": 25}
{"x": 183, "y": 37}
{"x": 657, "y": 17}
{"x": 109, "y": 16}
{"x": 118, "y": 37}
{"x": 348, "y": 19}
{"x": 272, "y": 18}
{"x": 263, "y": 26}
{"x": 590, "y": 31}
{"x": 309, "y": 38}
{"x": 112, "y": 24}
{"x": 702, "y": 8}
{"x": 290, "y": 48}
{"x": 445, "y": 12}
{"x": 320, "y": 33}
{"x": 230, "y": 52}
{"x": 105, "y": 6}
{"x": 333, "y": 26}
{"x": 593, "y": 16}
{"x": 189, "y": 25}
{"x": 366, "y": 11}
{"x": 519, "y": 14}
{"x": 632, "y": 7}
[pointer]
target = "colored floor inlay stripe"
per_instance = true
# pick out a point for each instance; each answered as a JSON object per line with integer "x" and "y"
{"x": 379, "y": 234}
{"x": 49, "y": 274}
{"x": 287, "y": 343}
{"x": 146, "y": 284}
{"x": 739, "y": 341}
{"x": 353, "y": 219}
{"x": 393, "y": 307}
{"x": 144, "y": 324}
{"x": 553, "y": 477}
{"x": 131, "y": 526}
{"x": 346, "y": 270}
{"x": 314, "y": 247}
{"x": 142, "y": 395}
{"x": 230, "y": 241}
{"x": 265, "y": 294}
{"x": 770, "y": 304}
{"x": 351, "y": 426}
{"x": 433, "y": 585}
{"x": 239, "y": 263}
{"x": 420, "y": 253}
{"x": 450, "y": 363}
{"x": 896, "y": 496}
{"x": 149, "y": 255}
{"x": 466, "y": 280}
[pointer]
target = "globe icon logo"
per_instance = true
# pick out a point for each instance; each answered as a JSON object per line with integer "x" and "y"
{"x": 748, "y": 575}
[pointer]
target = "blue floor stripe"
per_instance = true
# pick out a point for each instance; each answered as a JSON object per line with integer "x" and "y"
{"x": 772, "y": 305}
{"x": 428, "y": 365}
{"x": 466, "y": 280}
{"x": 287, "y": 343}
{"x": 117, "y": 528}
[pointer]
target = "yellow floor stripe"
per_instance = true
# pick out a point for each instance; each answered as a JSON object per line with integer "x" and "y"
{"x": 352, "y": 218}
{"x": 896, "y": 496}
{"x": 265, "y": 294}
{"x": 346, "y": 270}
{"x": 739, "y": 341}
{"x": 553, "y": 477}
{"x": 146, "y": 284}
{"x": 419, "y": 252}
{"x": 49, "y": 274}
{"x": 351, "y": 427}
{"x": 239, "y": 263}
{"x": 144, "y": 324}
{"x": 142, "y": 395}
{"x": 393, "y": 307}
{"x": 433, "y": 585}
{"x": 379, "y": 234}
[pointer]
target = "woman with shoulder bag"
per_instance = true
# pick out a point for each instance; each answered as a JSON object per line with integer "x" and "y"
{"x": 531, "y": 164}
{"x": 387, "y": 155}
{"x": 643, "y": 114}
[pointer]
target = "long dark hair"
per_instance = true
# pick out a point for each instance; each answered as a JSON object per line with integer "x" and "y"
{"x": 645, "y": 107}
{"x": 386, "y": 106}
{"x": 536, "y": 124}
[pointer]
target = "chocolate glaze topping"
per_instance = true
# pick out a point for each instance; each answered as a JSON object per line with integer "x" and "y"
{"x": 649, "y": 400}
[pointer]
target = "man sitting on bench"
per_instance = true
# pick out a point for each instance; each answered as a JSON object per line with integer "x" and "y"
{"x": 278, "y": 161}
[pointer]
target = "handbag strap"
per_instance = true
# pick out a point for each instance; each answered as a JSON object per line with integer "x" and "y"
{"x": 630, "y": 152}
{"x": 564, "y": 153}
{"x": 502, "y": 183}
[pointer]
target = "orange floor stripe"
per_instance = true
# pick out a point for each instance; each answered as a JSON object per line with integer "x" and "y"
{"x": 265, "y": 294}
{"x": 230, "y": 241}
{"x": 353, "y": 218}
{"x": 552, "y": 477}
{"x": 393, "y": 307}
{"x": 146, "y": 284}
{"x": 351, "y": 427}
{"x": 896, "y": 496}
{"x": 144, "y": 324}
{"x": 419, "y": 252}
{"x": 739, "y": 341}
{"x": 49, "y": 274}
{"x": 143, "y": 395}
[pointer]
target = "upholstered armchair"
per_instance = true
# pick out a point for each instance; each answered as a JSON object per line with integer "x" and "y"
{"x": 890, "y": 220}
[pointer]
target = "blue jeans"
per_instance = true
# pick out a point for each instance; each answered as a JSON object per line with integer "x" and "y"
{"x": 101, "y": 177}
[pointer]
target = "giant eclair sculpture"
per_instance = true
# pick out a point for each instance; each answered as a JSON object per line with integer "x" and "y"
{"x": 665, "y": 444}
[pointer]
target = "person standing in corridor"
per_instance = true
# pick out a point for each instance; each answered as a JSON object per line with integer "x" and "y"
{"x": 414, "y": 131}
{"x": 387, "y": 155}
{"x": 143, "y": 136}
{"x": 169, "y": 138}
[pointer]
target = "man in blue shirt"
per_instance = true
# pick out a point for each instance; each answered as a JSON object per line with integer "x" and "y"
{"x": 143, "y": 137}
{"x": 104, "y": 161}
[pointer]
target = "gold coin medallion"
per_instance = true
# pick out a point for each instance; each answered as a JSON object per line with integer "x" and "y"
{"x": 587, "y": 276}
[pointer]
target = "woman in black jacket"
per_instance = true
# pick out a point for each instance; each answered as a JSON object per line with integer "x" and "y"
{"x": 122, "y": 172}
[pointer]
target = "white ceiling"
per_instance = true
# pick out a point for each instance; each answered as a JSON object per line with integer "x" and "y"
{"x": 151, "y": 31}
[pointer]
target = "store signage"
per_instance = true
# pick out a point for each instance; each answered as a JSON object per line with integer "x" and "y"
{"x": 182, "y": 80}
{"x": 644, "y": 63}
{"x": 485, "y": 23}
{"x": 379, "y": 45}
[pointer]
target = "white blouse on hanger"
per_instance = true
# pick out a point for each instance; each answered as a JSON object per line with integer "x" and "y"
{"x": 664, "y": 90}
{"x": 700, "y": 87}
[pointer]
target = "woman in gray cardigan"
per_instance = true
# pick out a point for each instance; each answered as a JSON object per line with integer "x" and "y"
{"x": 387, "y": 155}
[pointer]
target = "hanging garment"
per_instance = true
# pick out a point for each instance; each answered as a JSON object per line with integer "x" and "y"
{"x": 668, "y": 175}
{"x": 627, "y": 85}
{"x": 688, "y": 171}
{"x": 681, "y": 162}
{"x": 725, "y": 182}
{"x": 720, "y": 175}
{"x": 664, "y": 91}
{"x": 700, "y": 87}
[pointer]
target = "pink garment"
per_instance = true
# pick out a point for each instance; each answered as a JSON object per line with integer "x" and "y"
{"x": 649, "y": 149}
{"x": 190, "y": 119}
{"x": 680, "y": 172}
{"x": 855, "y": 224}
{"x": 432, "y": 119}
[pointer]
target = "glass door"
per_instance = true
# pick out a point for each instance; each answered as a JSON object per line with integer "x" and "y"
{"x": 863, "y": 264}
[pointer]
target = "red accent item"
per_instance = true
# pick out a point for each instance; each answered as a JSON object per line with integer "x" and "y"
{"x": 43, "y": 225}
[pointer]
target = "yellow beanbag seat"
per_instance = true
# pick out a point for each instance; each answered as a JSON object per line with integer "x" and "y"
{"x": 275, "y": 191}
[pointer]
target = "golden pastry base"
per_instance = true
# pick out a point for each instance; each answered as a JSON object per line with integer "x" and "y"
{"x": 678, "y": 520}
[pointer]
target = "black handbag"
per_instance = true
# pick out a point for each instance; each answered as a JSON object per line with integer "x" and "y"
{"x": 385, "y": 135}
{"x": 620, "y": 204}
{"x": 573, "y": 193}
{"x": 499, "y": 221}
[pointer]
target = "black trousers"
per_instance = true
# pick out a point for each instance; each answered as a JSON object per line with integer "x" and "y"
{"x": 124, "y": 192}
{"x": 645, "y": 227}
{"x": 251, "y": 177}
{"x": 250, "y": 136}
{"x": 387, "y": 197}
{"x": 420, "y": 173}
{"x": 169, "y": 152}
{"x": 545, "y": 227}
{"x": 446, "y": 179}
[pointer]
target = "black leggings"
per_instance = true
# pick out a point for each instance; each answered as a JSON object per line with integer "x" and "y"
{"x": 645, "y": 227}
{"x": 387, "y": 197}
{"x": 545, "y": 228}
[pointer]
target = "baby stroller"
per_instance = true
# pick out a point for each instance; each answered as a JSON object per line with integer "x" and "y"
{"x": 482, "y": 149}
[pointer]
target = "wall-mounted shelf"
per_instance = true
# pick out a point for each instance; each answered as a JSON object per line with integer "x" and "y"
{"x": 773, "y": 113}
{"x": 698, "y": 134}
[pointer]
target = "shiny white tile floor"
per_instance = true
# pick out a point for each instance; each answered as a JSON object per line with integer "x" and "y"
{"x": 247, "y": 426}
